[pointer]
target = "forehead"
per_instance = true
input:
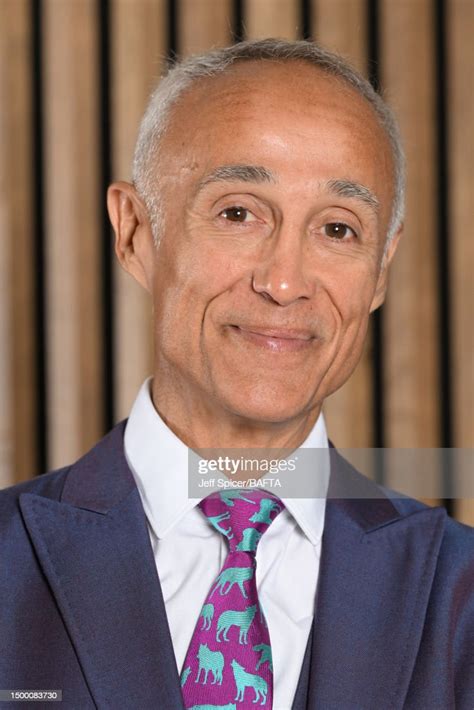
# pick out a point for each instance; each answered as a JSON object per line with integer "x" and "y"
{"x": 283, "y": 115}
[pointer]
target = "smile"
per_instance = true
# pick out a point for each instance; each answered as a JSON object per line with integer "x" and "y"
{"x": 275, "y": 339}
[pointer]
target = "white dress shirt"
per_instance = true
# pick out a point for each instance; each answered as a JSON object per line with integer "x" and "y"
{"x": 189, "y": 553}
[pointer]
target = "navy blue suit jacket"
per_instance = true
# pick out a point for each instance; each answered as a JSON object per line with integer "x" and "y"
{"x": 81, "y": 607}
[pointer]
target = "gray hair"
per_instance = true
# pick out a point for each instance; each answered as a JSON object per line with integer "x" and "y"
{"x": 183, "y": 74}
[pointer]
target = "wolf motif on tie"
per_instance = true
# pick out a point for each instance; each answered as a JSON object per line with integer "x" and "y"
{"x": 210, "y": 661}
{"x": 242, "y": 619}
{"x": 245, "y": 680}
{"x": 231, "y": 576}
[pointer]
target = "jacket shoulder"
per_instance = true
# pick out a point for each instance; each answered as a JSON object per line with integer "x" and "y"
{"x": 457, "y": 537}
{"x": 457, "y": 548}
{"x": 48, "y": 485}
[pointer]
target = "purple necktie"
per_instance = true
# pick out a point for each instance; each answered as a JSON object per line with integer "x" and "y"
{"x": 228, "y": 665}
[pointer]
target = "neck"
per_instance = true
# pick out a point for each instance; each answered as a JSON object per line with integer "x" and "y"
{"x": 204, "y": 423}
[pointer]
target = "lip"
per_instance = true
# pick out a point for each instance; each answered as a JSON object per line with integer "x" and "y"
{"x": 275, "y": 339}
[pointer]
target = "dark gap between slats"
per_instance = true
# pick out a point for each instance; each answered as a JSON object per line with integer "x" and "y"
{"x": 378, "y": 400}
{"x": 173, "y": 10}
{"x": 306, "y": 23}
{"x": 106, "y": 252}
{"x": 442, "y": 243}
{"x": 38, "y": 252}
{"x": 238, "y": 21}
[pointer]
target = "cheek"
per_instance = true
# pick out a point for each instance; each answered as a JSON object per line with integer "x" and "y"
{"x": 351, "y": 291}
{"x": 206, "y": 269}
{"x": 187, "y": 280}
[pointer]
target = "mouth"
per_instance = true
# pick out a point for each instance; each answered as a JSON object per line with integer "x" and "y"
{"x": 279, "y": 340}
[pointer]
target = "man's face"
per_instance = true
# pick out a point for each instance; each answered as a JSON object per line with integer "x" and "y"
{"x": 269, "y": 261}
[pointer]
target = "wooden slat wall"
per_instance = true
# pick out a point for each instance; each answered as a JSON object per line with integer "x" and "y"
{"x": 71, "y": 143}
{"x": 271, "y": 18}
{"x": 341, "y": 25}
{"x": 410, "y": 315}
{"x": 461, "y": 159}
{"x": 410, "y": 310}
{"x": 18, "y": 383}
{"x": 138, "y": 39}
{"x": 203, "y": 24}
{"x": 137, "y": 36}
{"x": 6, "y": 393}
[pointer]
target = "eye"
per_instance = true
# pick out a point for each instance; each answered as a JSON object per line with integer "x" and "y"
{"x": 237, "y": 214}
{"x": 338, "y": 230}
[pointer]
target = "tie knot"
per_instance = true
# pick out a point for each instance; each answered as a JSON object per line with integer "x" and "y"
{"x": 241, "y": 516}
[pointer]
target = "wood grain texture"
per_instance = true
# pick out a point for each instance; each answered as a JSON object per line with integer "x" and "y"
{"x": 460, "y": 50}
{"x": 271, "y": 18}
{"x": 339, "y": 25}
{"x": 411, "y": 318}
{"x": 138, "y": 60}
{"x": 18, "y": 435}
{"x": 73, "y": 250}
{"x": 204, "y": 24}
{"x": 411, "y": 337}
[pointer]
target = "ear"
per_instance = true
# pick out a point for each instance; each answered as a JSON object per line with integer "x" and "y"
{"x": 134, "y": 245}
{"x": 382, "y": 282}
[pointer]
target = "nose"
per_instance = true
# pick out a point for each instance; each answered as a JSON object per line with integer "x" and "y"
{"x": 282, "y": 275}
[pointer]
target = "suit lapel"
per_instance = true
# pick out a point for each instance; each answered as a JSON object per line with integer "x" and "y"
{"x": 95, "y": 551}
{"x": 376, "y": 573}
{"x": 300, "y": 700}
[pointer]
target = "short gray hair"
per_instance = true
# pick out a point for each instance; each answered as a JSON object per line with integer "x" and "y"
{"x": 181, "y": 76}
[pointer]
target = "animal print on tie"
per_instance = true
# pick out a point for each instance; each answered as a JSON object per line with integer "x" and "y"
{"x": 228, "y": 665}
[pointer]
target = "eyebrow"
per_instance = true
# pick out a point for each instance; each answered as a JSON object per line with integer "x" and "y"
{"x": 347, "y": 188}
{"x": 258, "y": 174}
{"x": 238, "y": 173}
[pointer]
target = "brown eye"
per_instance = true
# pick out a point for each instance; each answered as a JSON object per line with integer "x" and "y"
{"x": 235, "y": 214}
{"x": 338, "y": 230}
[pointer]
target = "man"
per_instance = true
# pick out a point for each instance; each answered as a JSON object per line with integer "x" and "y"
{"x": 266, "y": 207}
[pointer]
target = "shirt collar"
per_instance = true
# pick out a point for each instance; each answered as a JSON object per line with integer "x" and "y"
{"x": 158, "y": 460}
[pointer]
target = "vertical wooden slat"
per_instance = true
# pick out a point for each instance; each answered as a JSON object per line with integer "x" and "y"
{"x": 6, "y": 361}
{"x": 138, "y": 53}
{"x": 18, "y": 441}
{"x": 460, "y": 21}
{"x": 340, "y": 25}
{"x": 271, "y": 18}
{"x": 204, "y": 24}
{"x": 411, "y": 317}
{"x": 411, "y": 323}
{"x": 72, "y": 228}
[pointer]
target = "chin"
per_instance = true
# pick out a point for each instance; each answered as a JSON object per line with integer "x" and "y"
{"x": 276, "y": 407}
